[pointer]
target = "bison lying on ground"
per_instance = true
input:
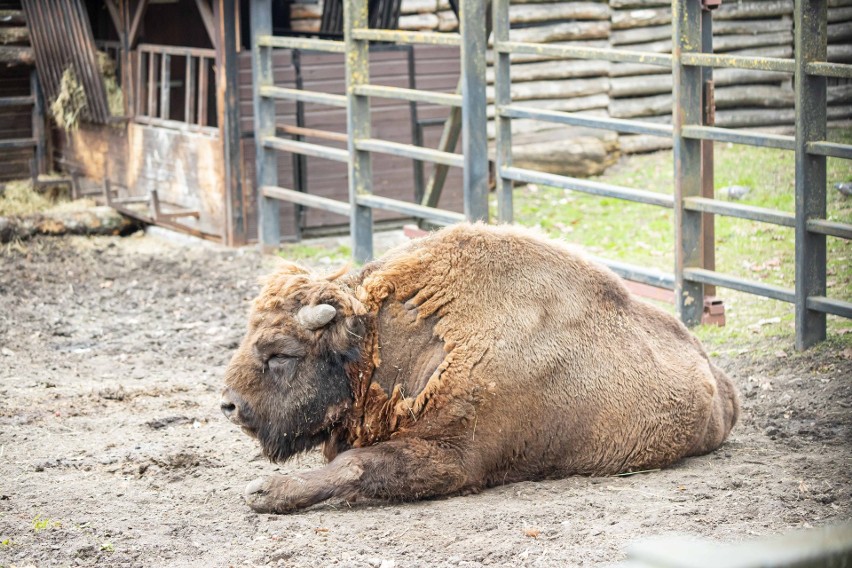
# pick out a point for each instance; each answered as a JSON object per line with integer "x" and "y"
{"x": 474, "y": 357}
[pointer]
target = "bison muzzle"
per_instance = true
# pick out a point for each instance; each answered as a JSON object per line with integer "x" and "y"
{"x": 473, "y": 357}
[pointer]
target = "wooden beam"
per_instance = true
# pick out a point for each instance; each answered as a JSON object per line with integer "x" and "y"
{"x": 116, "y": 18}
{"x": 228, "y": 114}
{"x": 209, "y": 21}
{"x": 137, "y": 20}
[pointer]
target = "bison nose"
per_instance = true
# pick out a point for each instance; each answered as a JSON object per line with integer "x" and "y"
{"x": 229, "y": 405}
{"x": 228, "y": 408}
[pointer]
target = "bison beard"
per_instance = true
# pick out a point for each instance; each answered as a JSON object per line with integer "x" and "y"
{"x": 473, "y": 357}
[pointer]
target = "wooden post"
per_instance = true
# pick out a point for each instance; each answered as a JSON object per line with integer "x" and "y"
{"x": 38, "y": 125}
{"x": 228, "y": 113}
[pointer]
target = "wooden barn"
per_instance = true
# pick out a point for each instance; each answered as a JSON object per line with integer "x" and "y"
{"x": 167, "y": 132}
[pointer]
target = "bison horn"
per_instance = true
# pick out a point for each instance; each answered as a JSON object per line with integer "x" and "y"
{"x": 314, "y": 317}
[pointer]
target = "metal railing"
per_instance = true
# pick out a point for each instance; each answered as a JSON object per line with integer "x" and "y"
{"x": 193, "y": 87}
{"x": 691, "y": 62}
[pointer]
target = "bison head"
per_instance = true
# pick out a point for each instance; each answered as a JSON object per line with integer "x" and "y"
{"x": 287, "y": 384}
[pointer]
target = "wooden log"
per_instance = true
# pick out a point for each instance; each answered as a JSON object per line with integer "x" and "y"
{"x": 641, "y": 35}
{"x": 839, "y": 14}
{"x": 563, "y": 31}
{"x": 555, "y": 89}
{"x": 575, "y": 104}
{"x": 305, "y": 12}
{"x": 734, "y": 27}
{"x": 840, "y": 53}
{"x": 754, "y": 96}
{"x": 640, "y": 106}
{"x": 840, "y": 31}
{"x": 418, "y": 22}
{"x": 16, "y": 55}
{"x": 529, "y": 13}
{"x": 620, "y": 87}
{"x": 727, "y": 43}
{"x": 522, "y": 128}
{"x": 769, "y": 51}
{"x": 447, "y": 21}
{"x": 748, "y": 10}
{"x": 523, "y": 57}
{"x": 659, "y": 46}
{"x": 630, "y": 69}
{"x": 567, "y": 155}
{"x": 89, "y": 221}
{"x": 633, "y": 4}
{"x": 723, "y": 77}
{"x": 14, "y": 35}
{"x": 418, "y": 7}
{"x": 642, "y": 143}
{"x": 541, "y": 70}
{"x": 640, "y": 85}
{"x": 624, "y": 19}
{"x": 747, "y": 117}
{"x": 839, "y": 3}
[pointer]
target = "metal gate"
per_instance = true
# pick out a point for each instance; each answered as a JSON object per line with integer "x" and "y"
{"x": 692, "y": 131}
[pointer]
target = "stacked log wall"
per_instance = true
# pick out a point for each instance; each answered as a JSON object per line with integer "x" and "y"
{"x": 744, "y": 98}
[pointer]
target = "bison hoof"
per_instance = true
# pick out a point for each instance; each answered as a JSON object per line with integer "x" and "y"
{"x": 258, "y": 496}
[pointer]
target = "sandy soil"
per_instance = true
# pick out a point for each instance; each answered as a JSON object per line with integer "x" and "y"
{"x": 113, "y": 451}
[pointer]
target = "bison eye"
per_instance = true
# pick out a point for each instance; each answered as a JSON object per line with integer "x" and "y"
{"x": 280, "y": 359}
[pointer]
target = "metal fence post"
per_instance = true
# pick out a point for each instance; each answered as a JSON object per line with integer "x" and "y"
{"x": 689, "y": 296}
{"x": 472, "y": 19}
{"x": 269, "y": 219}
{"x": 502, "y": 97}
{"x": 810, "y": 45}
{"x": 355, "y": 16}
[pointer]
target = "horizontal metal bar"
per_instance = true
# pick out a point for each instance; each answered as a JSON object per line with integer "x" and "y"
{"x": 830, "y": 228}
{"x": 586, "y": 186}
{"x": 830, "y": 149}
{"x": 306, "y": 149}
{"x": 579, "y": 52}
{"x": 308, "y": 44}
{"x": 421, "y": 212}
{"x": 617, "y": 124}
{"x": 16, "y": 101}
{"x": 283, "y": 93}
{"x": 750, "y": 212}
{"x": 409, "y": 151}
{"x": 11, "y": 143}
{"x": 739, "y": 62}
{"x": 636, "y": 273}
{"x": 310, "y": 132}
{"x": 826, "y": 69}
{"x": 739, "y": 137}
{"x": 414, "y": 95}
{"x": 306, "y": 199}
{"x": 175, "y": 50}
{"x": 829, "y": 306}
{"x": 394, "y": 36}
{"x": 741, "y": 284}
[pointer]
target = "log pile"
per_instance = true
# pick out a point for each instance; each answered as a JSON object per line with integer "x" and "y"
{"x": 744, "y": 98}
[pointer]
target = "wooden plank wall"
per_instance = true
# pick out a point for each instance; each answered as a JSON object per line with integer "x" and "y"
{"x": 15, "y": 122}
{"x": 437, "y": 69}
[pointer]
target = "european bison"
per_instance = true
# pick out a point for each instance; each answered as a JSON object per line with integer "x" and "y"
{"x": 473, "y": 357}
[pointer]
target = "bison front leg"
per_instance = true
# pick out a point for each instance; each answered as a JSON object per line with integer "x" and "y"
{"x": 400, "y": 470}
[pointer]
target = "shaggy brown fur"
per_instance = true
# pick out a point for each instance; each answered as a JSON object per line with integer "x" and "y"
{"x": 473, "y": 357}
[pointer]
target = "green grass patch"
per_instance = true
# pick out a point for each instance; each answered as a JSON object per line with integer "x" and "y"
{"x": 41, "y": 523}
{"x": 644, "y": 235}
{"x": 299, "y": 252}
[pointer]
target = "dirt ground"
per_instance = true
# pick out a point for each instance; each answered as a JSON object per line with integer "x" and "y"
{"x": 113, "y": 451}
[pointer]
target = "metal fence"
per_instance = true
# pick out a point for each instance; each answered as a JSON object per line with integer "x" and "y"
{"x": 692, "y": 131}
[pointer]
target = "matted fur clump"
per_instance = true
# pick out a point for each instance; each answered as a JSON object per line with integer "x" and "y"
{"x": 476, "y": 356}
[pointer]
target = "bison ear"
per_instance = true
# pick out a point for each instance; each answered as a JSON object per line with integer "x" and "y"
{"x": 315, "y": 317}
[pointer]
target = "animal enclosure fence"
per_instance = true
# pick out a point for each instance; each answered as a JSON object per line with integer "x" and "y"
{"x": 692, "y": 132}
